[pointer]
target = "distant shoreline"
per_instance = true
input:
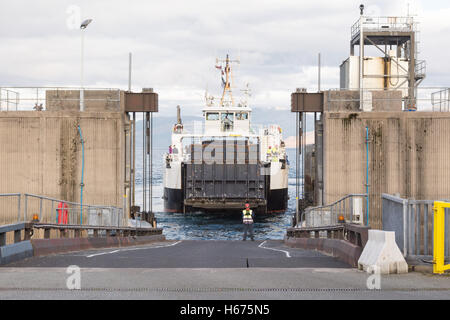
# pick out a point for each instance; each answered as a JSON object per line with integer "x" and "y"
{"x": 291, "y": 142}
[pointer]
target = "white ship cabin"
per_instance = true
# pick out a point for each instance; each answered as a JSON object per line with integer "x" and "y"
{"x": 227, "y": 121}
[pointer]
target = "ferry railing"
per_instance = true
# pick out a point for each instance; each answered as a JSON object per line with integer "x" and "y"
{"x": 57, "y": 98}
{"x": 197, "y": 129}
{"x": 428, "y": 99}
{"x": 350, "y": 208}
{"x": 10, "y": 208}
{"x": 50, "y": 210}
{"x": 413, "y": 222}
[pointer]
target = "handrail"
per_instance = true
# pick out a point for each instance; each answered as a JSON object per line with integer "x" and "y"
{"x": 429, "y": 99}
{"x": 97, "y": 231}
{"x": 114, "y": 211}
{"x": 114, "y": 214}
{"x": 17, "y": 229}
{"x": 380, "y": 23}
{"x": 19, "y": 197}
{"x": 330, "y": 206}
{"x": 356, "y": 234}
{"x": 68, "y": 202}
{"x": 336, "y": 202}
{"x": 41, "y": 98}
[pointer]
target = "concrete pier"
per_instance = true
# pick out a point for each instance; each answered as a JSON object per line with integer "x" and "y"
{"x": 40, "y": 153}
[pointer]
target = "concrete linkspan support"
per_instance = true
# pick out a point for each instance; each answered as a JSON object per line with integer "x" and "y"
{"x": 381, "y": 254}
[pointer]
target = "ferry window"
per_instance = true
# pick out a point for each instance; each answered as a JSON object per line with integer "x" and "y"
{"x": 242, "y": 116}
{"x": 212, "y": 116}
{"x": 229, "y": 116}
{"x": 227, "y": 121}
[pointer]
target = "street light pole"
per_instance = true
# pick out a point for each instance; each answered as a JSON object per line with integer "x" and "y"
{"x": 82, "y": 28}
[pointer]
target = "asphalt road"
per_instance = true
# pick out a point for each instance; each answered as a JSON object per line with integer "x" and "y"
{"x": 208, "y": 270}
{"x": 192, "y": 254}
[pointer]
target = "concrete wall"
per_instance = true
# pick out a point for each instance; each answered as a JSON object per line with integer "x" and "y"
{"x": 409, "y": 155}
{"x": 40, "y": 153}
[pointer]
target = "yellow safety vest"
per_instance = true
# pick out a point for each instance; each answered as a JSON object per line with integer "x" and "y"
{"x": 247, "y": 216}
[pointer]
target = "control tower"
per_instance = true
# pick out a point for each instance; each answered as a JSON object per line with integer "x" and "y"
{"x": 396, "y": 68}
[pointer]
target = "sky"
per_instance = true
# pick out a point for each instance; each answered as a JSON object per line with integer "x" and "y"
{"x": 175, "y": 44}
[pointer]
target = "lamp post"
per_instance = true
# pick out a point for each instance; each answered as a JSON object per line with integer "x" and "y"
{"x": 82, "y": 28}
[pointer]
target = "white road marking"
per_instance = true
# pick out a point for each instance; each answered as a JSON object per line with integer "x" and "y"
{"x": 155, "y": 247}
{"x": 100, "y": 254}
{"x": 132, "y": 249}
{"x": 286, "y": 252}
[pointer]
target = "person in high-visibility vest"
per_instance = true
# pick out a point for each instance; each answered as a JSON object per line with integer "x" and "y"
{"x": 247, "y": 217}
{"x": 274, "y": 154}
{"x": 269, "y": 154}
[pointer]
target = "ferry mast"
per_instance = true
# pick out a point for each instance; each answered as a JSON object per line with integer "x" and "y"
{"x": 228, "y": 80}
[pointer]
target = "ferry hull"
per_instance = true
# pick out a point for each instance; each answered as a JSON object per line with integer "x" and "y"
{"x": 277, "y": 201}
{"x": 226, "y": 187}
{"x": 173, "y": 200}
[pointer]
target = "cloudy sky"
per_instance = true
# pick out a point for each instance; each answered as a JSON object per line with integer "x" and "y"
{"x": 175, "y": 44}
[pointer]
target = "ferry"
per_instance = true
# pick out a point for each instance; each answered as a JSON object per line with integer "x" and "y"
{"x": 223, "y": 162}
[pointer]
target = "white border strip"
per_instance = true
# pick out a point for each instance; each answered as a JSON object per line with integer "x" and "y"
{"x": 132, "y": 249}
{"x": 286, "y": 252}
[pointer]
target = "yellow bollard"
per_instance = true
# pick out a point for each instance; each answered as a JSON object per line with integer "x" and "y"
{"x": 439, "y": 266}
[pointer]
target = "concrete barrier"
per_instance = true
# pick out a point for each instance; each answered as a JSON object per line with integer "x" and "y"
{"x": 25, "y": 247}
{"x": 382, "y": 255}
{"x": 340, "y": 249}
{"x": 15, "y": 252}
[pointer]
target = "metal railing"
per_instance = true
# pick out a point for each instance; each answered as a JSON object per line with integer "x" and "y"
{"x": 16, "y": 229}
{"x": 440, "y": 100}
{"x": 9, "y": 100}
{"x": 57, "y": 211}
{"x": 16, "y": 208}
{"x": 428, "y": 99}
{"x": 421, "y": 68}
{"x": 413, "y": 223}
{"x": 198, "y": 128}
{"x": 57, "y": 98}
{"x": 23, "y": 231}
{"x": 350, "y": 207}
{"x": 384, "y": 24}
{"x": 9, "y": 201}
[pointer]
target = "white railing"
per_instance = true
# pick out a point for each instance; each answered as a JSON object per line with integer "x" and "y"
{"x": 384, "y": 24}
{"x": 440, "y": 100}
{"x": 9, "y": 100}
{"x": 351, "y": 208}
{"x": 44, "y": 98}
{"x": 427, "y": 98}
